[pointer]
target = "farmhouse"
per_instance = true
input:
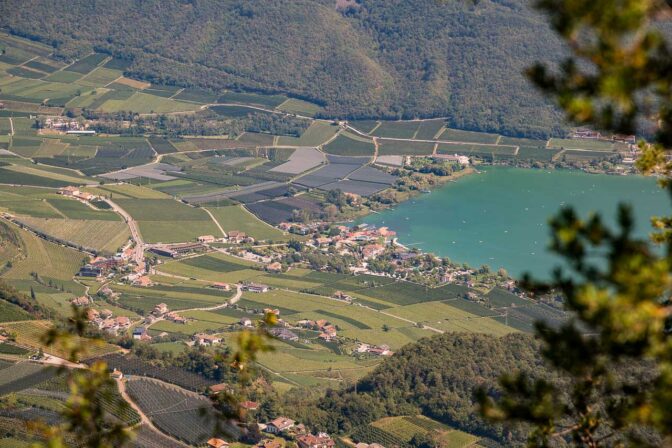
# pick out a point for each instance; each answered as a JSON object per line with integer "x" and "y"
{"x": 631, "y": 139}
{"x": 221, "y": 286}
{"x": 217, "y": 388}
{"x": 236, "y": 236}
{"x": 249, "y": 405}
{"x": 246, "y": 322}
{"x": 206, "y": 339}
{"x": 285, "y": 334}
{"x": 255, "y": 287}
{"x": 140, "y": 333}
{"x": 279, "y": 425}
{"x": 69, "y": 191}
{"x": 160, "y": 309}
{"x": 271, "y": 443}
{"x": 80, "y": 301}
{"x": 206, "y": 239}
{"x": 455, "y": 158}
{"x": 369, "y": 445}
{"x": 340, "y": 295}
{"x": 271, "y": 311}
{"x": 90, "y": 270}
{"x": 585, "y": 133}
{"x": 217, "y": 443}
{"x": 274, "y": 267}
{"x": 123, "y": 322}
{"x": 322, "y": 440}
{"x": 143, "y": 281}
{"x": 174, "y": 317}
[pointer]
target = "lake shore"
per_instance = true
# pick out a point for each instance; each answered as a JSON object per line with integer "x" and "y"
{"x": 500, "y": 217}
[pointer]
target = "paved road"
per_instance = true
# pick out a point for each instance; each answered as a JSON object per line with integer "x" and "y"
{"x": 138, "y": 253}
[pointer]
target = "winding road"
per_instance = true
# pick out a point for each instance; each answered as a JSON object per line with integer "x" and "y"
{"x": 138, "y": 252}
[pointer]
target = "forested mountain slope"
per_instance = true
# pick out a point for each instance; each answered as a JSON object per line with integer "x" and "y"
{"x": 436, "y": 377}
{"x": 374, "y": 58}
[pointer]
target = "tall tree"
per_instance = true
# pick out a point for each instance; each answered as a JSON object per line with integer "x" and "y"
{"x": 619, "y": 75}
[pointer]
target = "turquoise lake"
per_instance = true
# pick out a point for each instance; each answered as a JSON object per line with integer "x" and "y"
{"x": 499, "y": 217}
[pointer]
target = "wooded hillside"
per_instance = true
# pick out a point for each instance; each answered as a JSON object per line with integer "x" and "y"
{"x": 374, "y": 58}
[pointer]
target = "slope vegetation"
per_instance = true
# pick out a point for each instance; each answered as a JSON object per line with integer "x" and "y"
{"x": 375, "y": 58}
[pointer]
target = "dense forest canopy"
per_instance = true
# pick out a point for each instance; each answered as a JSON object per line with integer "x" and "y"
{"x": 370, "y": 58}
{"x": 436, "y": 377}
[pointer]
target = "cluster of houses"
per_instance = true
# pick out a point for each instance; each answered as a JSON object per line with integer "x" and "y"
{"x": 63, "y": 124}
{"x": 595, "y": 135}
{"x": 100, "y": 267}
{"x": 363, "y": 240}
{"x": 232, "y": 236}
{"x": 328, "y": 331}
{"x": 205, "y": 340}
{"x": 105, "y": 321}
{"x": 288, "y": 428}
{"x": 161, "y": 312}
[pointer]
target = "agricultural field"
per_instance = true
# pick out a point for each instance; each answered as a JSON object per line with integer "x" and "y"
{"x": 456, "y": 135}
{"x": 23, "y": 375}
{"x": 445, "y": 317}
{"x": 147, "y": 104}
{"x": 237, "y": 218}
{"x": 162, "y": 145}
{"x": 266, "y": 101}
{"x": 50, "y": 261}
{"x": 584, "y": 155}
{"x": 143, "y": 300}
{"x": 300, "y": 107}
{"x": 317, "y": 134}
{"x": 127, "y": 191}
{"x": 429, "y": 129}
{"x": 364, "y": 126}
{"x": 256, "y": 139}
{"x": 410, "y": 148}
{"x": 301, "y": 159}
{"x": 10, "y": 313}
{"x": 103, "y": 236}
{"x": 398, "y": 431}
{"x": 476, "y": 149}
{"x": 348, "y": 144}
{"x": 397, "y": 129}
{"x": 195, "y": 96}
{"x": 173, "y": 411}
{"x": 74, "y": 209}
{"x": 158, "y": 217}
{"x": 30, "y": 333}
{"x": 170, "y": 374}
{"x": 580, "y": 143}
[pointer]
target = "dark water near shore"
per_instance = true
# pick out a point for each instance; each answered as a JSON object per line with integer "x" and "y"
{"x": 499, "y": 217}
